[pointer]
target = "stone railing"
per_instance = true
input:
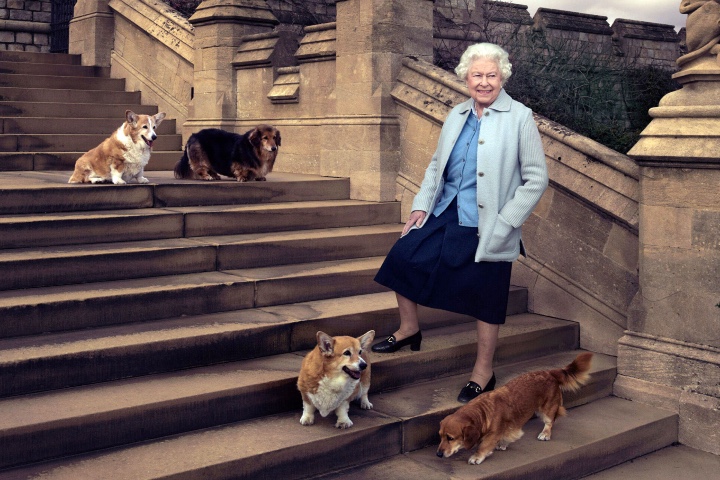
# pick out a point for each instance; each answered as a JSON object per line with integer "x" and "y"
{"x": 143, "y": 41}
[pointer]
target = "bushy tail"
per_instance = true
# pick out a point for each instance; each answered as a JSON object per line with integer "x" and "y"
{"x": 182, "y": 167}
{"x": 575, "y": 375}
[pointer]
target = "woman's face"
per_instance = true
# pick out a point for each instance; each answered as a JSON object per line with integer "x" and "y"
{"x": 484, "y": 82}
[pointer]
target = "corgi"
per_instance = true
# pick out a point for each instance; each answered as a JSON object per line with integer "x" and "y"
{"x": 495, "y": 419}
{"x": 122, "y": 157}
{"x": 334, "y": 373}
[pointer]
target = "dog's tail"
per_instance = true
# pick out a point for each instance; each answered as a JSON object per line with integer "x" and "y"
{"x": 182, "y": 167}
{"x": 575, "y": 375}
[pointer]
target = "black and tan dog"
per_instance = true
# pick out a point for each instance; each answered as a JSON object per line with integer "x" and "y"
{"x": 212, "y": 152}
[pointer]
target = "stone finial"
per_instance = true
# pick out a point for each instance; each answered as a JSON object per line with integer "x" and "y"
{"x": 702, "y": 28}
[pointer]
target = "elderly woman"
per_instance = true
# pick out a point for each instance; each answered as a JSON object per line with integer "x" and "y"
{"x": 456, "y": 250}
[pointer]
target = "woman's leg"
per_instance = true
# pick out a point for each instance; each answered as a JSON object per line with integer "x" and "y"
{"x": 487, "y": 337}
{"x": 409, "y": 324}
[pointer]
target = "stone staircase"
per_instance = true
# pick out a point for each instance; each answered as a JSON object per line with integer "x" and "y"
{"x": 52, "y": 110}
{"x": 156, "y": 331}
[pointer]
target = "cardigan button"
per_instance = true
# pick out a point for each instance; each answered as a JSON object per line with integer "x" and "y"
{"x": 481, "y": 205}
{"x": 481, "y": 174}
{"x": 486, "y": 113}
{"x": 481, "y": 141}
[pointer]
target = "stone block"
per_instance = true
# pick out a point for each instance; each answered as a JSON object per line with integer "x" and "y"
{"x": 666, "y": 226}
{"x": 680, "y": 294}
{"x": 669, "y": 362}
{"x": 555, "y": 297}
{"x": 706, "y": 229}
{"x": 653, "y": 394}
{"x": 579, "y": 221}
{"x": 699, "y": 420}
{"x": 622, "y": 247}
{"x": 681, "y": 188}
{"x": 24, "y": 37}
{"x": 584, "y": 265}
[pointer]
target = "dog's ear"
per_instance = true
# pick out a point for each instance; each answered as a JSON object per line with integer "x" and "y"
{"x": 366, "y": 339}
{"x": 277, "y": 137}
{"x": 255, "y": 137}
{"x": 471, "y": 434}
{"x": 326, "y": 343}
{"x": 159, "y": 118}
{"x": 131, "y": 117}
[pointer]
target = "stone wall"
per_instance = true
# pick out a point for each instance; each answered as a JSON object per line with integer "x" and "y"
{"x": 25, "y": 25}
{"x": 634, "y": 42}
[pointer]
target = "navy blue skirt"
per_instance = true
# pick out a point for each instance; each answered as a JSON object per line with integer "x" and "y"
{"x": 435, "y": 266}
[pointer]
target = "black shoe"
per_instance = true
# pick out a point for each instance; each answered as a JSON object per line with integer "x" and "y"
{"x": 472, "y": 390}
{"x": 390, "y": 345}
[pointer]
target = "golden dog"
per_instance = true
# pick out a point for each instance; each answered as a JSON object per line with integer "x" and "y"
{"x": 495, "y": 419}
{"x": 332, "y": 375}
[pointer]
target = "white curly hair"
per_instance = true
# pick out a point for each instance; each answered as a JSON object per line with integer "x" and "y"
{"x": 487, "y": 51}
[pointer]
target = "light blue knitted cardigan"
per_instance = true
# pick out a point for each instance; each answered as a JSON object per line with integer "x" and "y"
{"x": 512, "y": 174}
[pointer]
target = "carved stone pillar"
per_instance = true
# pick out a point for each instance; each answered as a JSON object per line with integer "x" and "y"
{"x": 363, "y": 143}
{"x": 92, "y": 32}
{"x": 219, "y": 27}
{"x": 670, "y": 355}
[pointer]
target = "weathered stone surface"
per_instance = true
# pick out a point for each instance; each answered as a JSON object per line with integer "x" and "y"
{"x": 699, "y": 419}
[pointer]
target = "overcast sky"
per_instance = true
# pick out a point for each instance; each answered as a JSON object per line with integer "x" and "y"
{"x": 657, "y": 11}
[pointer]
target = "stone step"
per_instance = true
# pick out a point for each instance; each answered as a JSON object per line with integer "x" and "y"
{"x": 80, "y": 126}
{"x": 36, "y": 57}
{"x": 40, "y": 142}
{"x": 71, "y": 307}
{"x": 40, "y": 161}
{"x": 59, "y": 69}
{"x": 100, "y": 226}
{"x": 21, "y": 94}
{"x": 230, "y": 392}
{"x": 77, "y": 228}
{"x": 89, "y": 262}
{"x": 29, "y": 192}
{"x": 59, "y": 82}
{"x": 591, "y": 438}
{"x": 60, "y": 110}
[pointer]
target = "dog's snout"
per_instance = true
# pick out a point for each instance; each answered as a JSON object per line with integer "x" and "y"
{"x": 439, "y": 453}
{"x": 363, "y": 365}
{"x": 153, "y": 136}
{"x": 273, "y": 148}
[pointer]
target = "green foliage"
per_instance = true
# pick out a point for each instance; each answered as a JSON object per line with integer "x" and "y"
{"x": 185, "y": 7}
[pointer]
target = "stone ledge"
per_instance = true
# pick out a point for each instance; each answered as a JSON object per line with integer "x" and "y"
{"x": 20, "y": 26}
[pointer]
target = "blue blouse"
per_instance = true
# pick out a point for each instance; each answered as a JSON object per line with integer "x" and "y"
{"x": 460, "y": 175}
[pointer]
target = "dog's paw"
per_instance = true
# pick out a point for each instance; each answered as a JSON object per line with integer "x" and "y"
{"x": 476, "y": 459}
{"x": 501, "y": 446}
{"x": 344, "y": 424}
{"x": 143, "y": 180}
{"x": 545, "y": 437}
{"x": 119, "y": 181}
{"x": 365, "y": 404}
{"x": 307, "y": 419}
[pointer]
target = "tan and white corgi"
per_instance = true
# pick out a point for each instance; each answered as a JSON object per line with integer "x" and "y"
{"x": 122, "y": 157}
{"x": 335, "y": 373}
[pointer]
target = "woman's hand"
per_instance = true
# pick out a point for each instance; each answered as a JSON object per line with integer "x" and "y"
{"x": 416, "y": 219}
